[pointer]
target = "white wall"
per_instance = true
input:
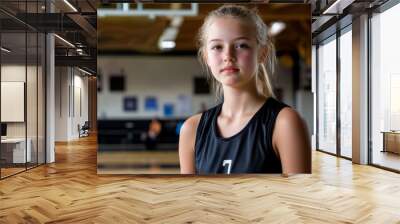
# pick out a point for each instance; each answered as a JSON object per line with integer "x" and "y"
{"x": 70, "y": 83}
{"x": 31, "y": 126}
{"x": 61, "y": 103}
{"x": 166, "y": 78}
{"x": 12, "y": 73}
{"x": 79, "y": 117}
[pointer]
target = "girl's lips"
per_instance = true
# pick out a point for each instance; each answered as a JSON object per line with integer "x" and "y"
{"x": 230, "y": 70}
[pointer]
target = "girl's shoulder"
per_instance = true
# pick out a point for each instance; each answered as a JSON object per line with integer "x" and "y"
{"x": 288, "y": 117}
{"x": 288, "y": 123}
{"x": 189, "y": 127}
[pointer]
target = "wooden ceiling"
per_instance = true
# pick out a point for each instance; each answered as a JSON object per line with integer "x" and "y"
{"x": 139, "y": 34}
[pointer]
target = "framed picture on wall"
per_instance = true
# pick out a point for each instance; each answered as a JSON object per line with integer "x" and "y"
{"x": 130, "y": 103}
{"x": 184, "y": 105}
{"x": 168, "y": 109}
{"x": 201, "y": 85}
{"x": 117, "y": 83}
{"x": 150, "y": 103}
{"x": 12, "y": 101}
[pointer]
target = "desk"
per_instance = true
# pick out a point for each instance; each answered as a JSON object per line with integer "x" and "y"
{"x": 17, "y": 147}
{"x": 391, "y": 141}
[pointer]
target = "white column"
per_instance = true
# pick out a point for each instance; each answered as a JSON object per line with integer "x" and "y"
{"x": 360, "y": 90}
{"x": 50, "y": 92}
{"x": 314, "y": 94}
{"x": 50, "y": 99}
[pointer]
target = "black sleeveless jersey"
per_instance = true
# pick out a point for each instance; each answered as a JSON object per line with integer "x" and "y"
{"x": 248, "y": 151}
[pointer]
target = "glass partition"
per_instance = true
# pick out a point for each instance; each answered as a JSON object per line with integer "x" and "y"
{"x": 13, "y": 113}
{"x": 327, "y": 95}
{"x": 22, "y": 89}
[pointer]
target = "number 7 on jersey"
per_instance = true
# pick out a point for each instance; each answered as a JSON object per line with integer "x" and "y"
{"x": 229, "y": 162}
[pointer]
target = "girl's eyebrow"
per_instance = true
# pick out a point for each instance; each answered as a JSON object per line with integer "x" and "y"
{"x": 238, "y": 38}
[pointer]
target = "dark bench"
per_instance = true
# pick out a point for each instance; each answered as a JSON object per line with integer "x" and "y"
{"x": 127, "y": 135}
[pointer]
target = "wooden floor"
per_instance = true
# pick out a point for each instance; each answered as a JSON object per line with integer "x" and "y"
{"x": 387, "y": 159}
{"x": 70, "y": 191}
{"x": 138, "y": 162}
{"x": 10, "y": 171}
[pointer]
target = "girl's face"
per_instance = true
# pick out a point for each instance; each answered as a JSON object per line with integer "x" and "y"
{"x": 231, "y": 51}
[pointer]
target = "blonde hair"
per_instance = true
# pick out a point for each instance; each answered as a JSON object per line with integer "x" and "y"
{"x": 265, "y": 68}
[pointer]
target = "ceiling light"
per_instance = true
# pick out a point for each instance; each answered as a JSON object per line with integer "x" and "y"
{"x": 177, "y": 21}
{"x": 276, "y": 28}
{"x": 167, "y": 44}
{"x": 337, "y": 7}
{"x": 86, "y": 72}
{"x": 70, "y": 5}
{"x": 125, "y": 10}
{"x": 5, "y": 50}
{"x": 65, "y": 41}
{"x": 167, "y": 39}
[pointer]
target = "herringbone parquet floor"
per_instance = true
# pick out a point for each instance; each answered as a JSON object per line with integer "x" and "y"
{"x": 70, "y": 191}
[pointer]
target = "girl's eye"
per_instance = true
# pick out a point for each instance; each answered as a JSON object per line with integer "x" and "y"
{"x": 242, "y": 46}
{"x": 216, "y": 47}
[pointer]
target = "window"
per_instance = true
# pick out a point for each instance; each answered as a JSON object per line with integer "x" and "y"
{"x": 385, "y": 88}
{"x": 327, "y": 95}
{"x": 346, "y": 93}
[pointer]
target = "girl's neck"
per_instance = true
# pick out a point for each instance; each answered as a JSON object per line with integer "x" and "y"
{"x": 240, "y": 103}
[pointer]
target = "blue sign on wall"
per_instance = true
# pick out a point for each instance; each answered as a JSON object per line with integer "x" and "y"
{"x": 130, "y": 103}
{"x": 150, "y": 103}
{"x": 168, "y": 109}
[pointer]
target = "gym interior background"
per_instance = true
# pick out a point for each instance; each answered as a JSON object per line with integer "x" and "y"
{"x": 148, "y": 68}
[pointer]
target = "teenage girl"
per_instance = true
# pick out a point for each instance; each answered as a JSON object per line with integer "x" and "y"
{"x": 250, "y": 131}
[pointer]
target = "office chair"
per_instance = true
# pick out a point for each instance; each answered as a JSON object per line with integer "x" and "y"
{"x": 84, "y": 130}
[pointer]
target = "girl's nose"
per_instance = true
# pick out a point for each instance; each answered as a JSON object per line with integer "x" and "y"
{"x": 229, "y": 55}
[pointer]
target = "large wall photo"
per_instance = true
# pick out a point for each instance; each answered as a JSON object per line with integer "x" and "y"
{"x": 150, "y": 79}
